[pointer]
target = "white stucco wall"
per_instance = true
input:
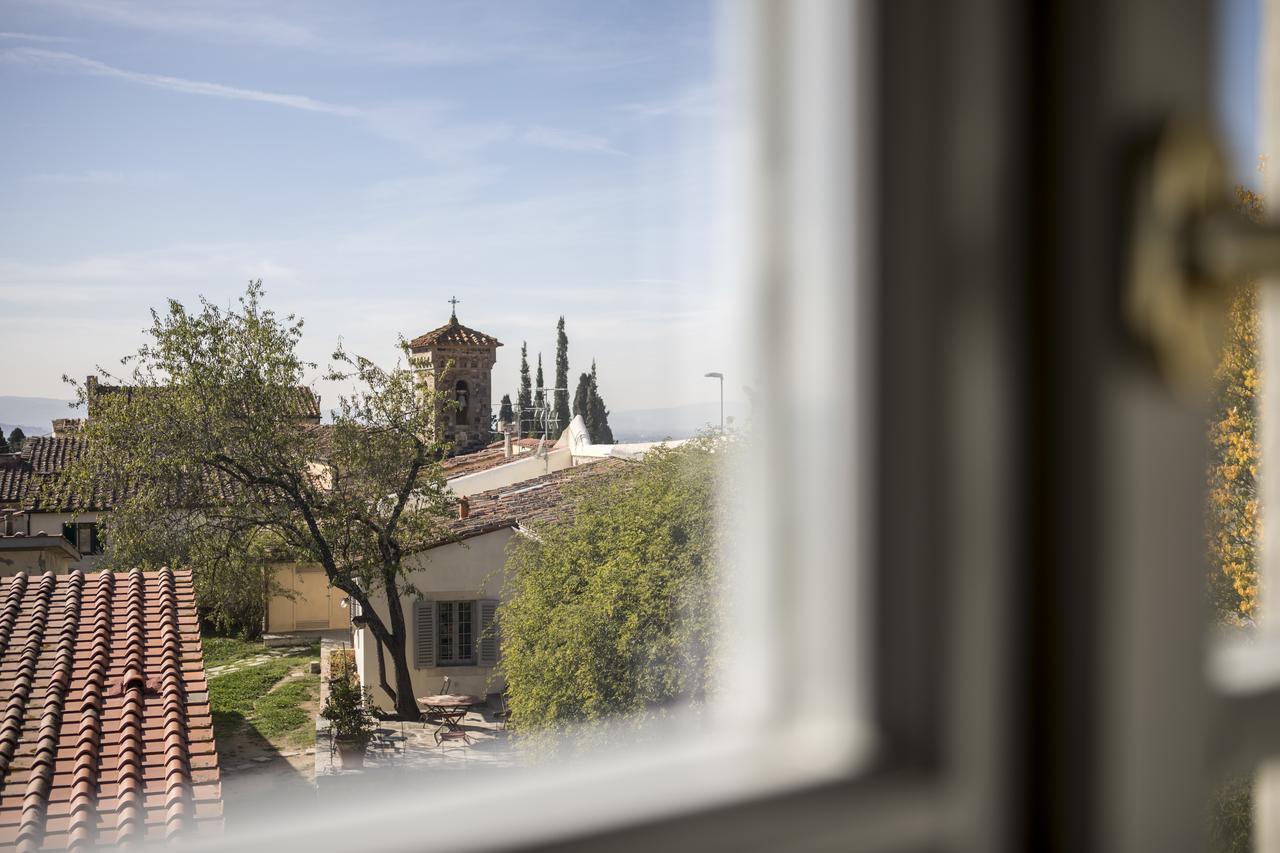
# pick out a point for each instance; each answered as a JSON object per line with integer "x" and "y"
{"x": 516, "y": 471}
{"x": 462, "y": 571}
{"x": 51, "y": 524}
{"x": 33, "y": 561}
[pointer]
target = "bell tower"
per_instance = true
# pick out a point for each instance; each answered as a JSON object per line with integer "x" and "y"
{"x": 458, "y": 361}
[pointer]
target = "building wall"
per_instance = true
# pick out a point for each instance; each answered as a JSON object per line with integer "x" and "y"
{"x": 461, "y": 571}
{"x": 510, "y": 473}
{"x": 310, "y": 603}
{"x": 51, "y": 524}
{"x": 35, "y": 561}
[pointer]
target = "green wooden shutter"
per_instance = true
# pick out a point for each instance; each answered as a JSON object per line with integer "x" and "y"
{"x": 489, "y": 648}
{"x": 424, "y": 633}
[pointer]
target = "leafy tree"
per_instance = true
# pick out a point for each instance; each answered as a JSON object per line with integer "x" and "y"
{"x": 561, "y": 413}
{"x": 4, "y": 445}
{"x": 505, "y": 414}
{"x": 1234, "y": 516}
{"x": 614, "y": 614}
{"x": 539, "y": 400}
{"x": 17, "y": 438}
{"x": 599, "y": 420}
{"x": 209, "y": 454}
{"x": 524, "y": 398}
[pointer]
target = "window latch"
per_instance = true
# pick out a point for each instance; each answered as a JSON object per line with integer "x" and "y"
{"x": 1191, "y": 248}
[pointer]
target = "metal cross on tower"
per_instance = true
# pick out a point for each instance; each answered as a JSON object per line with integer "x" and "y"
{"x": 454, "y": 302}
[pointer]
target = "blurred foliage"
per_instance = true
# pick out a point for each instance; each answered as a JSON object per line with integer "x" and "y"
{"x": 613, "y": 616}
{"x": 1234, "y": 518}
{"x": 1231, "y": 818}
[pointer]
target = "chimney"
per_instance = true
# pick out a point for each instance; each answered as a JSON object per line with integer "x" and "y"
{"x": 464, "y": 508}
{"x": 506, "y": 444}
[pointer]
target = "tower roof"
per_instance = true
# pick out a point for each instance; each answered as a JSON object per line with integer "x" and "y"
{"x": 455, "y": 334}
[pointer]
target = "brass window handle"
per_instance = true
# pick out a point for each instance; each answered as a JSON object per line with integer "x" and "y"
{"x": 1190, "y": 250}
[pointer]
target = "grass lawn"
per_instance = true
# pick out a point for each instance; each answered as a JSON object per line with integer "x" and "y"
{"x": 268, "y": 705}
{"x": 221, "y": 650}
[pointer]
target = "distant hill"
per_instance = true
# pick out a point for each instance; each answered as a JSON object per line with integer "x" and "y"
{"x": 33, "y": 414}
{"x": 674, "y": 422}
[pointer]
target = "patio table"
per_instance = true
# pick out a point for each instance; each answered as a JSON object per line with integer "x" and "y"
{"x": 450, "y": 708}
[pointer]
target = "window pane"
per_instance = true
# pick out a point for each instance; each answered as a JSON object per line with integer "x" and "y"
{"x": 445, "y": 631}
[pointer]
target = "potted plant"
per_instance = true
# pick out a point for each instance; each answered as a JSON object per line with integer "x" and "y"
{"x": 349, "y": 710}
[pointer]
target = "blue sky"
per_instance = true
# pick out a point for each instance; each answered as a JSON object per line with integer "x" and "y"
{"x": 1237, "y": 84}
{"x": 367, "y": 161}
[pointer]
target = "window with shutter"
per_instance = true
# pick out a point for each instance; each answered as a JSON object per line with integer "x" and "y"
{"x": 424, "y": 646}
{"x": 488, "y": 619}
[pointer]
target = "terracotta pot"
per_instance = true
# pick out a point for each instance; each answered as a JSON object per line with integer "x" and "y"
{"x": 351, "y": 753}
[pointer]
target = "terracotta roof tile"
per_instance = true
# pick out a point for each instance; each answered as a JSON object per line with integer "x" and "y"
{"x": 540, "y": 500}
{"x": 453, "y": 334}
{"x": 85, "y": 766}
{"x": 479, "y": 460}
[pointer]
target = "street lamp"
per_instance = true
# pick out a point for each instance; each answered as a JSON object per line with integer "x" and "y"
{"x": 720, "y": 376}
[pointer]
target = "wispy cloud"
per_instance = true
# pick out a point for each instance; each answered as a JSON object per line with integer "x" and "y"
{"x": 694, "y": 102}
{"x": 421, "y": 125}
{"x": 74, "y": 62}
{"x": 33, "y": 37}
{"x": 568, "y": 140}
{"x": 99, "y": 177}
{"x": 243, "y": 24}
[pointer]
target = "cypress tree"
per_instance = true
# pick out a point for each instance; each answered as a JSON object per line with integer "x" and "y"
{"x": 539, "y": 400}
{"x": 600, "y": 431}
{"x": 562, "y": 377}
{"x": 524, "y": 398}
{"x": 582, "y": 397}
{"x": 505, "y": 415}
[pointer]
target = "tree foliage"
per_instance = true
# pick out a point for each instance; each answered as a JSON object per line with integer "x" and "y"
{"x": 614, "y": 614}
{"x": 4, "y": 444}
{"x": 598, "y": 422}
{"x": 17, "y": 438}
{"x": 539, "y": 400}
{"x": 561, "y": 413}
{"x": 588, "y": 403}
{"x": 1234, "y": 517}
{"x": 215, "y": 469}
{"x": 505, "y": 414}
{"x": 524, "y": 397}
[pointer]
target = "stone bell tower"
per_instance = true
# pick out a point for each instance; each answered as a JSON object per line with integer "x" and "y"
{"x": 459, "y": 361}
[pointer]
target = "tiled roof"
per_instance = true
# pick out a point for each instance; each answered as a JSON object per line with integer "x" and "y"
{"x": 481, "y": 460}
{"x": 549, "y": 498}
{"x": 106, "y": 737}
{"x": 305, "y": 402}
{"x": 14, "y": 477}
{"x": 455, "y": 334}
{"x": 42, "y": 457}
{"x": 48, "y": 455}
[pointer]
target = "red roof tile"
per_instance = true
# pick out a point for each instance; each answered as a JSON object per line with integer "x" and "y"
{"x": 547, "y": 499}
{"x": 106, "y": 736}
{"x": 454, "y": 334}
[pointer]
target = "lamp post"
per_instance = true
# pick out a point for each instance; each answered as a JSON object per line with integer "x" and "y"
{"x": 720, "y": 376}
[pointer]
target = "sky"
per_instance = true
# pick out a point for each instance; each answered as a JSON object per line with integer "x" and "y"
{"x": 367, "y": 162}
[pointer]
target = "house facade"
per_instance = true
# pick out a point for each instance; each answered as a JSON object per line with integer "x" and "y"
{"x": 460, "y": 581}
